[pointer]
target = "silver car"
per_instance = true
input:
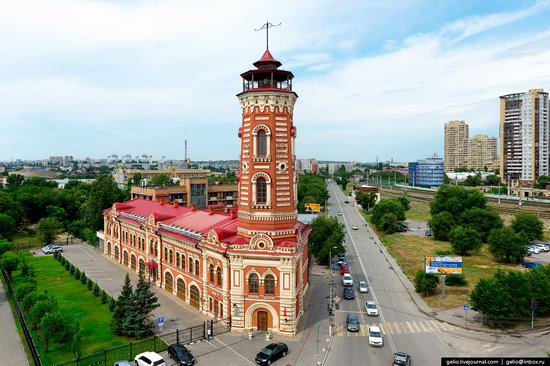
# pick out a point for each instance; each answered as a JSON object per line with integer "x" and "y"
{"x": 363, "y": 286}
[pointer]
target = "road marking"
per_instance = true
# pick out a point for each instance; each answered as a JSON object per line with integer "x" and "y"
{"x": 392, "y": 345}
{"x": 428, "y": 325}
{"x": 423, "y": 327}
{"x": 417, "y": 328}
{"x": 235, "y": 352}
{"x": 434, "y": 323}
{"x": 410, "y": 327}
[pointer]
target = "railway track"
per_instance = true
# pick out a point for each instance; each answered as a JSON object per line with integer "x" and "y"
{"x": 505, "y": 207}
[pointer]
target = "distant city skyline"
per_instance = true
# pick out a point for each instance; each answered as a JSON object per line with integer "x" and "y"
{"x": 86, "y": 78}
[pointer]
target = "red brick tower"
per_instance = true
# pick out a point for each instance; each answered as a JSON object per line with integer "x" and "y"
{"x": 267, "y": 185}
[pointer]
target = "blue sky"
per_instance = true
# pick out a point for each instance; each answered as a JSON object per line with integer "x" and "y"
{"x": 374, "y": 78}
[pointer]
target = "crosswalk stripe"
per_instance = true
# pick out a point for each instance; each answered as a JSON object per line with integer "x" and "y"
{"x": 416, "y": 326}
{"x": 423, "y": 327}
{"x": 428, "y": 325}
{"x": 410, "y": 327}
{"x": 435, "y": 325}
{"x": 397, "y": 329}
{"x": 388, "y": 328}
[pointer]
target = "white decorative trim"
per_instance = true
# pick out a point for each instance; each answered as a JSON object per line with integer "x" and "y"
{"x": 280, "y": 118}
{"x": 261, "y": 118}
{"x": 273, "y": 101}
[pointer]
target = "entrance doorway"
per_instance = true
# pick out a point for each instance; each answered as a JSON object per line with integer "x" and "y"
{"x": 262, "y": 320}
{"x": 194, "y": 297}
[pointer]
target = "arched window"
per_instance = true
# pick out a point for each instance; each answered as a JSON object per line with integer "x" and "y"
{"x": 253, "y": 282}
{"x": 197, "y": 268}
{"x": 177, "y": 259}
{"x": 261, "y": 143}
{"x": 269, "y": 282}
{"x": 219, "y": 274}
{"x": 261, "y": 190}
{"x": 190, "y": 264}
{"x": 211, "y": 273}
{"x": 183, "y": 262}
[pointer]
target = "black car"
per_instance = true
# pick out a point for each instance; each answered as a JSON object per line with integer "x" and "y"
{"x": 402, "y": 228}
{"x": 181, "y": 355}
{"x": 348, "y": 293}
{"x": 271, "y": 353}
{"x": 401, "y": 359}
{"x": 352, "y": 323}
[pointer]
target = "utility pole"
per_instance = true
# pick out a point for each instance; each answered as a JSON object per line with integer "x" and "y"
{"x": 534, "y": 305}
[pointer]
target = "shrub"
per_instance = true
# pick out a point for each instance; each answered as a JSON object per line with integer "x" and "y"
{"x": 90, "y": 284}
{"x": 444, "y": 252}
{"x": 96, "y": 290}
{"x": 455, "y": 280}
{"x": 112, "y": 304}
{"x": 77, "y": 274}
{"x": 72, "y": 270}
{"x": 405, "y": 202}
{"x": 83, "y": 278}
{"x": 67, "y": 265}
{"x": 104, "y": 297}
{"x": 425, "y": 283}
{"x": 24, "y": 289}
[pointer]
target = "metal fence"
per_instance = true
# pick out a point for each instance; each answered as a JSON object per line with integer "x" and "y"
{"x": 130, "y": 350}
{"x": 28, "y": 337}
{"x": 69, "y": 240}
{"x": 219, "y": 326}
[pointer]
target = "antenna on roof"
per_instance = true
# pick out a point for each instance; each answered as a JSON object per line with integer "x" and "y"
{"x": 266, "y": 26}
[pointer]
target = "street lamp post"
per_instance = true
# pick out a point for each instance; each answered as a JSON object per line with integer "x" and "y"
{"x": 331, "y": 292}
{"x": 534, "y": 305}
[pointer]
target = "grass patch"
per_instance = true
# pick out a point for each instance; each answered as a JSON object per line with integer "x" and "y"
{"x": 419, "y": 211}
{"x": 25, "y": 241}
{"x": 76, "y": 302}
{"x": 409, "y": 252}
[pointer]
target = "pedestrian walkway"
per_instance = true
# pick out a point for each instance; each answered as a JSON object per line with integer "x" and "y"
{"x": 10, "y": 342}
{"x": 401, "y": 327}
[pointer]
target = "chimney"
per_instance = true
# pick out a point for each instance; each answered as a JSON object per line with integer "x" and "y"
{"x": 193, "y": 207}
{"x": 232, "y": 214}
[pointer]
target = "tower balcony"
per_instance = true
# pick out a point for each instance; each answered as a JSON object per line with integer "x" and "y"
{"x": 266, "y": 84}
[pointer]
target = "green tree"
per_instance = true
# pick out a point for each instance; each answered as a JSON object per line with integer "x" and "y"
{"x": 90, "y": 284}
{"x": 26, "y": 268}
{"x": 24, "y": 289}
{"x": 5, "y": 246}
{"x": 31, "y": 299}
{"x": 39, "y": 309}
{"x": 104, "y": 297}
{"x": 76, "y": 340}
{"x": 161, "y": 180}
{"x": 136, "y": 179}
{"x": 311, "y": 189}
{"x": 488, "y": 298}
{"x": 77, "y": 274}
{"x": 405, "y": 202}
{"x": 103, "y": 193}
{"x": 386, "y": 215}
{"x": 48, "y": 229}
{"x": 483, "y": 220}
{"x": 492, "y": 180}
{"x": 96, "y": 290}
{"x": 112, "y": 304}
{"x": 52, "y": 325}
{"x": 464, "y": 240}
{"x": 138, "y": 321}
{"x": 8, "y": 226}
{"x": 327, "y": 236}
{"x": 57, "y": 213}
{"x": 10, "y": 262}
{"x": 542, "y": 182}
{"x": 441, "y": 224}
{"x": 121, "y": 307}
{"x": 456, "y": 199}
{"x": 83, "y": 278}
{"x": 367, "y": 200}
{"x": 14, "y": 181}
{"x": 473, "y": 180}
{"x": 508, "y": 246}
{"x": 425, "y": 283}
{"x": 528, "y": 224}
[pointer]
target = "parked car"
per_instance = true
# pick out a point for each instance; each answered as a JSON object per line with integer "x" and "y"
{"x": 346, "y": 201}
{"x": 347, "y": 280}
{"x": 376, "y": 338}
{"x": 531, "y": 264}
{"x": 149, "y": 359}
{"x": 534, "y": 249}
{"x": 372, "y": 308}
{"x": 181, "y": 354}
{"x": 354, "y": 227}
{"x": 428, "y": 232}
{"x": 542, "y": 247}
{"x": 348, "y": 293}
{"x": 352, "y": 323}
{"x": 271, "y": 353}
{"x": 363, "y": 286}
{"x": 401, "y": 228}
{"x": 46, "y": 248}
{"x": 53, "y": 249}
{"x": 401, "y": 359}
{"x": 122, "y": 363}
{"x": 339, "y": 213}
{"x": 344, "y": 269}
{"x": 342, "y": 256}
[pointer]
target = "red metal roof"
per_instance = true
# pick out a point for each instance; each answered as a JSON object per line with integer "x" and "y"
{"x": 266, "y": 59}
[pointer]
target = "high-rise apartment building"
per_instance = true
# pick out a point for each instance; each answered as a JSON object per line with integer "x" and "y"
{"x": 524, "y": 135}
{"x": 482, "y": 153}
{"x": 456, "y": 145}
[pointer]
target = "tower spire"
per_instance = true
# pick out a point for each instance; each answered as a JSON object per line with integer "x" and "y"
{"x": 266, "y": 26}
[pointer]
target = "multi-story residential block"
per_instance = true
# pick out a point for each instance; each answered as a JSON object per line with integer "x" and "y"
{"x": 428, "y": 172}
{"x": 455, "y": 145}
{"x": 482, "y": 153}
{"x": 249, "y": 267}
{"x": 524, "y": 136}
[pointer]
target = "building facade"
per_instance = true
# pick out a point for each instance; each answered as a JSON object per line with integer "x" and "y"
{"x": 248, "y": 266}
{"x": 429, "y": 172}
{"x": 455, "y": 145}
{"x": 524, "y": 136}
{"x": 482, "y": 153}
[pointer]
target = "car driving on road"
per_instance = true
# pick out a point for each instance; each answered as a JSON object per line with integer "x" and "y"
{"x": 376, "y": 338}
{"x": 354, "y": 227}
{"x": 401, "y": 359}
{"x": 363, "y": 286}
{"x": 372, "y": 308}
{"x": 348, "y": 293}
{"x": 352, "y": 323}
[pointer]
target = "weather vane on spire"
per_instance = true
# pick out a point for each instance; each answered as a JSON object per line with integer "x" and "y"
{"x": 266, "y": 26}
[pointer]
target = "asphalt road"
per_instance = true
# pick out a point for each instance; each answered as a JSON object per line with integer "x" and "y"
{"x": 405, "y": 328}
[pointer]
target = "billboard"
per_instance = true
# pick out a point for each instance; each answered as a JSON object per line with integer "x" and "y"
{"x": 446, "y": 265}
{"x": 312, "y": 207}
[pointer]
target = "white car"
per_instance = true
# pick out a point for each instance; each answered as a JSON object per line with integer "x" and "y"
{"x": 347, "y": 280}
{"x": 339, "y": 213}
{"x": 363, "y": 287}
{"x": 535, "y": 249}
{"x": 149, "y": 359}
{"x": 354, "y": 227}
{"x": 372, "y": 308}
{"x": 376, "y": 338}
{"x": 542, "y": 247}
{"x": 50, "y": 249}
{"x": 47, "y": 248}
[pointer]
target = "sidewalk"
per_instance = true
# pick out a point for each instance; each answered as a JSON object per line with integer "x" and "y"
{"x": 10, "y": 341}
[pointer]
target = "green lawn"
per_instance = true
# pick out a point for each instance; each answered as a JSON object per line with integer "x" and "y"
{"x": 24, "y": 241}
{"x": 76, "y": 302}
{"x": 409, "y": 252}
{"x": 419, "y": 211}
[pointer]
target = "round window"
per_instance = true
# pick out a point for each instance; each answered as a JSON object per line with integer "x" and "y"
{"x": 261, "y": 245}
{"x": 282, "y": 166}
